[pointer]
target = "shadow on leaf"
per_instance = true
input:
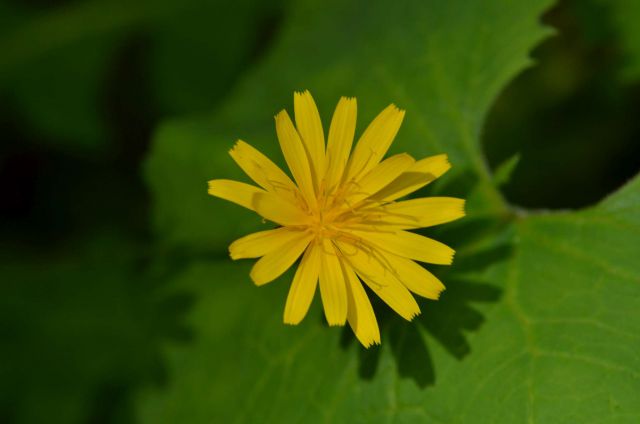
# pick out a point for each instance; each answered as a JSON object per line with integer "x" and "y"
{"x": 480, "y": 242}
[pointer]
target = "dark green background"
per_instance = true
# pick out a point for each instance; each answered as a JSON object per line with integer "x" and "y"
{"x": 83, "y": 86}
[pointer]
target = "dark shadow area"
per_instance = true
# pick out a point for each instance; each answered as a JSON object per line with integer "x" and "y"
{"x": 84, "y": 301}
{"x": 572, "y": 117}
{"x": 453, "y": 315}
{"x": 82, "y": 329}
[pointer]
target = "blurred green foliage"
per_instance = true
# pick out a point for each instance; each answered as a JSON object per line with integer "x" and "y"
{"x": 97, "y": 274}
{"x": 82, "y": 85}
{"x": 555, "y": 116}
{"x": 58, "y": 65}
{"x": 77, "y": 324}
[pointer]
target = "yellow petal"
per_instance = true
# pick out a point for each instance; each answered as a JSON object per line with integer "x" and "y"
{"x": 332, "y": 285}
{"x": 295, "y": 155}
{"x": 409, "y": 245}
{"x": 303, "y": 286}
{"x": 263, "y": 171}
{"x": 259, "y": 244}
{"x": 414, "y": 277}
{"x": 275, "y": 209}
{"x": 419, "y": 175}
{"x": 310, "y": 129}
{"x": 341, "y": 131}
{"x": 375, "y": 142}
{"x": 275, "y": 263}
{"x": 375, "y": 272}
{"x": 269, "y": 206}
{"x": 360, "y": 315}
{"x": 234, "y": 191}
{"x": 417, "y": 213}
{"x": 381, "y": 175}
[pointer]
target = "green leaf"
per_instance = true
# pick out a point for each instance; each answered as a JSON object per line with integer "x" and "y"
{"x": 538, "y": 323}
{"x": 559, "y": 346}
{"x": 503, "y": 172}
{"x": 78, "y": 329}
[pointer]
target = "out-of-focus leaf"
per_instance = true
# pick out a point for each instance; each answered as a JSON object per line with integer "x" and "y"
{"x": 195, "y": 58}
{"x": 77, "y": 330}
{"x": 503, "y": 172}
{"x": 58, "y": 93}
{"x": 625, "y": 16}
{"x": 56, "y": 65}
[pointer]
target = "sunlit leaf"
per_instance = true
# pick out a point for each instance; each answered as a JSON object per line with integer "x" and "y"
{"x": 539, "y": 321}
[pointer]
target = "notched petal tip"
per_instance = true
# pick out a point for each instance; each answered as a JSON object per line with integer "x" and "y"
{"x": 212, "y": 187}
{"x": 415, "y": 314}
{"x": 237, "y": 145}
{"x": 397, "y": 110}
{"x": 446, "y": 164}
{"x": 451, "y": 257}
{"x": 337, "y": 323}
{"x": 304, "y": 95}
{"x": 463, "y": 206}
{"x": 280, "y": 115}
{"x": 370, "y": 343}
{"x": 439, "y": 293}
{"x": 290, "y": 321}
{"x": 348, "y": 99}
{"x": 233, "y": 253}
{"x": 395, "y": 114}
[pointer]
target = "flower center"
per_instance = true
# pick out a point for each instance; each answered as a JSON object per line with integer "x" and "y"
{"x": 330, "y": 213}
{"x": 322, "y": 224}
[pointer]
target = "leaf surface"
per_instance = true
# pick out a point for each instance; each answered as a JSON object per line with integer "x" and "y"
{"x": 539, "y": 321}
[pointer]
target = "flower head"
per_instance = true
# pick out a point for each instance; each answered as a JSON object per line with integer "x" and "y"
{"x": 341, "y": 214}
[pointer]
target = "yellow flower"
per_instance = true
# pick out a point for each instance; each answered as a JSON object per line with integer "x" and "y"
{"x": 340, "y": 213}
